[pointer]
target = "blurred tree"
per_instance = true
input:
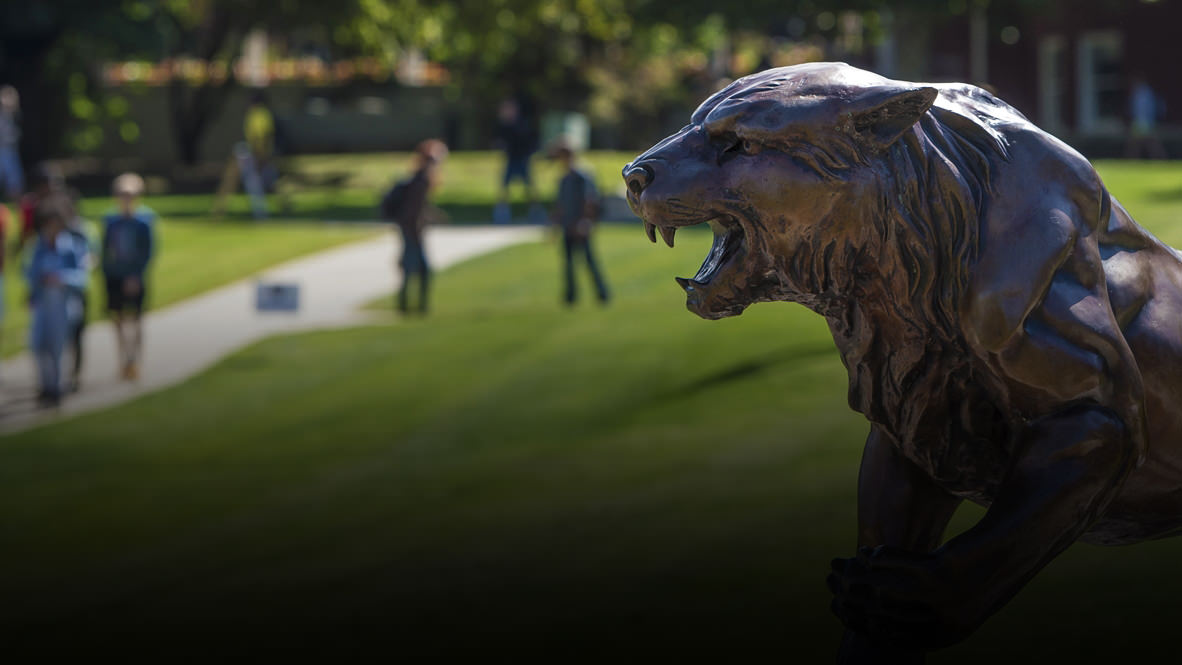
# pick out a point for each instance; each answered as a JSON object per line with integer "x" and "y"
{"x": 214, "y": 31}
{"x": 32, "y": 33}
{"x": 617, "y": 59}
{"x": 51, "y": 46}
{"x": 499, "y": 47}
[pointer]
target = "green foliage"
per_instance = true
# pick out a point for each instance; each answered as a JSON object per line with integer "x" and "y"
{"x": 585, "y": 55}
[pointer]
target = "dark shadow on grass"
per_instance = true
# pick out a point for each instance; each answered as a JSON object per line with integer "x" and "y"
{"x": 247, "y": 362}
{"x": 1164, "y": 195}
{"x": 745, "y": 370}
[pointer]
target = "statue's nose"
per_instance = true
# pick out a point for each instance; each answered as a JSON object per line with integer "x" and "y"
{"x": 638, "y": 177}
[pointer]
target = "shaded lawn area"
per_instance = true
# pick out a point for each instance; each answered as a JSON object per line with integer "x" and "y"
{"x": 506, "y": 470}
{"x": 506, "y": 474}
{"x": 192, "y": 256}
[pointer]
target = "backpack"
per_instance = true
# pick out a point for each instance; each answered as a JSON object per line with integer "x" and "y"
{"x": 391, "y": 204}
{"x": 593, "y": 200}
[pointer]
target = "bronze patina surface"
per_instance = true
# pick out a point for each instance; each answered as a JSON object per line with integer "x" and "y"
{"x": 1012, "y": 335}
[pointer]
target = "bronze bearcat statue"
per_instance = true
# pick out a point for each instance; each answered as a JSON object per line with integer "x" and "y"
{"x": 1012, "y": 335}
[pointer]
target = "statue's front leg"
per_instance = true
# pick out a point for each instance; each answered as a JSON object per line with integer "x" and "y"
{"x": 1069, "y": 467}
{"x": 898, "y": 506}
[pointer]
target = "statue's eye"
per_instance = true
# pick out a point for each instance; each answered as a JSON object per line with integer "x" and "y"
{"x": 742, "y": 146}
{"x": 736, "y": 146}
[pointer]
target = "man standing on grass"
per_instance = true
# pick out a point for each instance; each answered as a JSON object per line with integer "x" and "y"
{"x": 127, "y": 250}
{"x": 411, "y": 215}
{"x": 575, "y": 212}
{"x": 519, "y": 139}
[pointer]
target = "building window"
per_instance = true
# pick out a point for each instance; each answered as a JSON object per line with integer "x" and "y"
{"x": 1101, "y": 87}
{"x": 1052, "y": 83}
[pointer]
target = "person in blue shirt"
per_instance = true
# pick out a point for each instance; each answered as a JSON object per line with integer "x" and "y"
{"x": 575, "y": 211}
{"x": 56, "y": 270}
{"x": 128, "y": 240}
{"x": 83, "y": 233}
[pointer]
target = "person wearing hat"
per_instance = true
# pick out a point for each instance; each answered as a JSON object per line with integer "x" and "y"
{"x": 126, "y": 251}
{"x": 575, "y": 212}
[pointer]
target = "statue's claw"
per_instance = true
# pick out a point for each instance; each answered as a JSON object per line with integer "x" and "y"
{"x": 901, "y": 598}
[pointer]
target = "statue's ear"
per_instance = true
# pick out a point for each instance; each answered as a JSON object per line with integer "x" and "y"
{"x": 882, "y": 114}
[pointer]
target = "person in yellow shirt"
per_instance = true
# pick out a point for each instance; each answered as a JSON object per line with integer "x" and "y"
{"x": 255, "y": 157}
{"x": 259, "y": 129}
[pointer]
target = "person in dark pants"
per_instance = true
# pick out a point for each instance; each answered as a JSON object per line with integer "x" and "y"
{"x": 411, "y": 216}
{"x": 78, "y": 228}
{"x": 518, "y": 137}
{"x": 575, "y": 211}
{"x": 127, "y": 250}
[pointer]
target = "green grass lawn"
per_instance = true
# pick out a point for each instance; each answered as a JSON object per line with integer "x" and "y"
{"x": 508, "y": 472}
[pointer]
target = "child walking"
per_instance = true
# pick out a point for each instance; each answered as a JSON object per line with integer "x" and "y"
{"x": 128, "y": 240}
{"x": 56, "y": 270}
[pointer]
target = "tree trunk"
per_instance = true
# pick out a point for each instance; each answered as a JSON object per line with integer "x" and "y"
{"x": 193, "y": 108}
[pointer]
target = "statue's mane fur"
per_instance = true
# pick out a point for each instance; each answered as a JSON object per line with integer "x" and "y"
{"x": 932, "y": 206}
{"x": 933, "y": 190}
{"x": 935, "y": 184}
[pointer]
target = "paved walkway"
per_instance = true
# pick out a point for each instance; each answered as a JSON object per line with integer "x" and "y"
{"x": 187, "y": 337}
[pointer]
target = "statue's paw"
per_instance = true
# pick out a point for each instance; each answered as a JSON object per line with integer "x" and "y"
{"x": 901, "y": 598}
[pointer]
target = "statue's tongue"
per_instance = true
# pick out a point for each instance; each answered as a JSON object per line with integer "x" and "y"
{"x": 726, "y": 242}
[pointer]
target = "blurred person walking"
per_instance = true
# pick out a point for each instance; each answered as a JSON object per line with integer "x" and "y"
{"x": 82, "y": 231}
{"x": 407, "y": 205}
{"x": 5, "y": 224}
{"x": 12, "y": 177}
{"x": 519, "y": 140}
{"x": 256, "y": 155}
{"x": 55, "y": 270}
{"x": 127, "y": 248}
{"x": 1145, "y": 107}
{"x": 254, "y": 162}
{"x": 575, "y": 211}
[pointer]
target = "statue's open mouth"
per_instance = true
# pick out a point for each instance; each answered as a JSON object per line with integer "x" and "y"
{"x": 727, "y": 251}
{"x": 729, "y": 242}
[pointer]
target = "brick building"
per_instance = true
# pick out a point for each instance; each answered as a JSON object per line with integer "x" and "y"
{"x": 1068, "y": 66}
